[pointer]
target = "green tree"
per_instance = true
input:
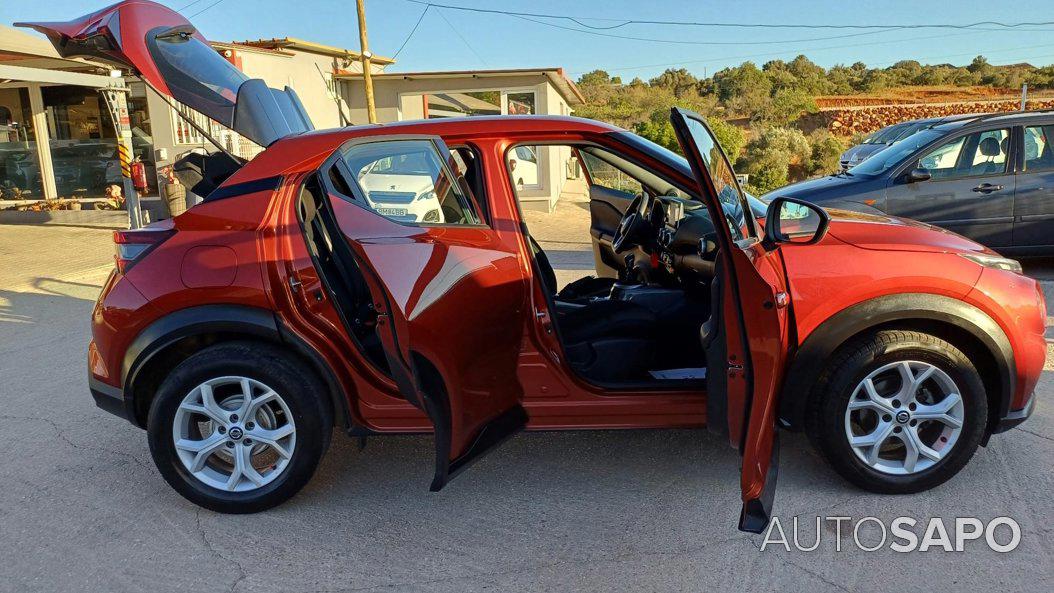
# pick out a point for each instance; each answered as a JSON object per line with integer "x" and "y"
{"x": 825, "y": 152}
{"x": 680, "y": 82}
{"x": 775, "y": 157}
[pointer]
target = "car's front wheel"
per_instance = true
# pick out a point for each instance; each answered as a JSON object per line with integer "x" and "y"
{"x": 238, "y": 427}
{"x": 898, "y": 411}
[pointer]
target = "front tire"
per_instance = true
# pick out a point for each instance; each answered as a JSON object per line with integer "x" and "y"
{"x": 239, "y": 427}
{"x": 898, "y": 411}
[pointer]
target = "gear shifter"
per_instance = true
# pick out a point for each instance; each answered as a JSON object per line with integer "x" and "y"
{"x": 628, "y": 274}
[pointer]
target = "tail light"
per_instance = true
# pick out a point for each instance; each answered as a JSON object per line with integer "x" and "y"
{"x": 133, "y": 245}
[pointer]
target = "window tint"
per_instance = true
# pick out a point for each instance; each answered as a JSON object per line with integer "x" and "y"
{"x": 606, "y": 175}
{"x": 729, "y": 196}
{"x": 406, "y": 181}
{"x": 981, "y": 153}
{"x": 1039, "y": 155}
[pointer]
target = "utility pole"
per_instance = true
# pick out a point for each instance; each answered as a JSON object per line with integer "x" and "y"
{"x": 367, "y": 76}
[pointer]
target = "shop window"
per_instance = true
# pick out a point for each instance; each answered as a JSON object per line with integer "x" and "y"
{"x": 82, "y": 141}
{"x": 19, "y": 167}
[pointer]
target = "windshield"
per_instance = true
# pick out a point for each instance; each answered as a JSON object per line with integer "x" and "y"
{"x": 197, "y": 76}
{"x": 410, "y": 163}
{"x": 886, "y": 159}
{"x": 908, "y": 130}
{"x": 729, "y": 194}
{"x": 885, "y": 135}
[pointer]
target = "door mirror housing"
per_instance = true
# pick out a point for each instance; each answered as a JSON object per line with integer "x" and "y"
{"x": 916, "y": 175}
{"x": 790, "y": 220}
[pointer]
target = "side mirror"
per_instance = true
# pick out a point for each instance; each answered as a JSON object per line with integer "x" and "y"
{"x": 917, "y": 174}
{"x": 790, "y": 220}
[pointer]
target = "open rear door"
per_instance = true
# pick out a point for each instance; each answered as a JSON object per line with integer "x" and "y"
{"x": 447, "y": 292}
{"x": 171, "y": 56}
{"x": 746, "y": 362}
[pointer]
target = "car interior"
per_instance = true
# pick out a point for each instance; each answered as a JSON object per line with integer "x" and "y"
{"x": 641, "y": 321}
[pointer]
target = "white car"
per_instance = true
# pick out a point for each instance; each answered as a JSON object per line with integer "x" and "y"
{"x": 402, "y": 189}
{"x": 523, "y": 162}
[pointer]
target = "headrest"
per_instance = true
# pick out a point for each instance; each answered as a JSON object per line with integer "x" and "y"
{"x": 990, "y": 147}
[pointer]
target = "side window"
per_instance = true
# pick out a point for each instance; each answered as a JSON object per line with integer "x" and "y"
{"x": 607, "y": 175}
{"x": 407, "y": 181}
{"x": 981, "y": 153}
{"x": 523, "y": 165}
{"x": 727, "y": 189}
{"x": 1039, "y": 155}
{"x": 467, "y": 165}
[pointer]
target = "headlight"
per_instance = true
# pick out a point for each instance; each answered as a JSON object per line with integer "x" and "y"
{"x": 994, "y": 261}
{"x": 428, "y": 195}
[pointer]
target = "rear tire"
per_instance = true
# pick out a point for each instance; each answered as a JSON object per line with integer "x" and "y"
{"x": 199, "y": 443}
{"x": 902, "y": 434}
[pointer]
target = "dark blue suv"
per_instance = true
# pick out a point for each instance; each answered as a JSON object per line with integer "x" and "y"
{"x": 988, "y": 177}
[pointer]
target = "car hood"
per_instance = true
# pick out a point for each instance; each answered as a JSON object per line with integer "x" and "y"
{"x": 823, "y": 189}
{"x": 890, "y": 233}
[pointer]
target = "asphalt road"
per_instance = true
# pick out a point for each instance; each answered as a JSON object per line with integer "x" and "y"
{"x": 83, "y": 509}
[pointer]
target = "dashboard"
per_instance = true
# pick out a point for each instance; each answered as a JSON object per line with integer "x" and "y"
{"x": 681, "y": 226}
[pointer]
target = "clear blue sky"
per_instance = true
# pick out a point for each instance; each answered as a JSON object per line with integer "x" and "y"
{"x": 478, "y": 41}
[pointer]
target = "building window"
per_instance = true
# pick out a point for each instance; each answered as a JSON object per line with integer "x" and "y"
{"x": 471, "y": 103}
{"x": 520, "y": 104}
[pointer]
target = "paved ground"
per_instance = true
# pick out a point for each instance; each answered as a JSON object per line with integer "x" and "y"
{"x": 82, "y": 508}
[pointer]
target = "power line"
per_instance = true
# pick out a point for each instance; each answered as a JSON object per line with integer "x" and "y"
{"x": 204, "y": 9}
{"x": 461, "y": 37}
{"x": 579, "y": 20}
{"x": 817, "y": 49}
{"x": 186, "y": 6}
{"x": 412, "y": 31}
{"x": 783, "y": 53}
{"x": 685, "y": 42}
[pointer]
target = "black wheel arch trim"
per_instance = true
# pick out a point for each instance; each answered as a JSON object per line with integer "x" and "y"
{"x": 243, "y": 320}
{"x": 809, "y": 359}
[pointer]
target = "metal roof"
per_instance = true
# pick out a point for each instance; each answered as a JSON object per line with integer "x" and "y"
{"x": 556, "y": 76}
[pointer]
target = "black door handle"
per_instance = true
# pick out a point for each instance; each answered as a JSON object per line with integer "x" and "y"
{"x": 987, "y": 188}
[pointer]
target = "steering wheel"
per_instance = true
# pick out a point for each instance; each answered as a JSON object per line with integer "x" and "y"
{"x": 634, "y": 227}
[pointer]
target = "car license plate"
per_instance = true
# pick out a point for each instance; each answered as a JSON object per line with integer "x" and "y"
{"x": 391, "y": 211}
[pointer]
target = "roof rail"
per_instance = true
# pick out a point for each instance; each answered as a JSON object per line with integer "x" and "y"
{"x": 987, "y": 116}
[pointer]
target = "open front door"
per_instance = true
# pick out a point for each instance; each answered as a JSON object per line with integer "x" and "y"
{"x": 445, "y": 293}
{"x": 747, "y": 359}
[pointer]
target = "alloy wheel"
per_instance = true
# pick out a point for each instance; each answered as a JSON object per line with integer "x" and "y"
{"x": 234, "y": 433}
{"x": 904, "y": 417}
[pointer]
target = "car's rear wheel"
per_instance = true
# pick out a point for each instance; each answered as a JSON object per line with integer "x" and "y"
{"x": 898, "y": 411}
{"x": 239, "y": 427}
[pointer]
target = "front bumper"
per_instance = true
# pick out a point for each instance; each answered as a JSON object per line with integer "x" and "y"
{"x": 1015, "y": 417}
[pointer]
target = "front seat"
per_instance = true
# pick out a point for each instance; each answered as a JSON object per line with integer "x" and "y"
{"x": 580, "y": 290}
{"x": 990, "y": 148}
{"x": 605, "y": 340}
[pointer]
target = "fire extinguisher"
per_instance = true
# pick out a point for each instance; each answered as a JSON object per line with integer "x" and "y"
{"x": 139, "y": 175}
